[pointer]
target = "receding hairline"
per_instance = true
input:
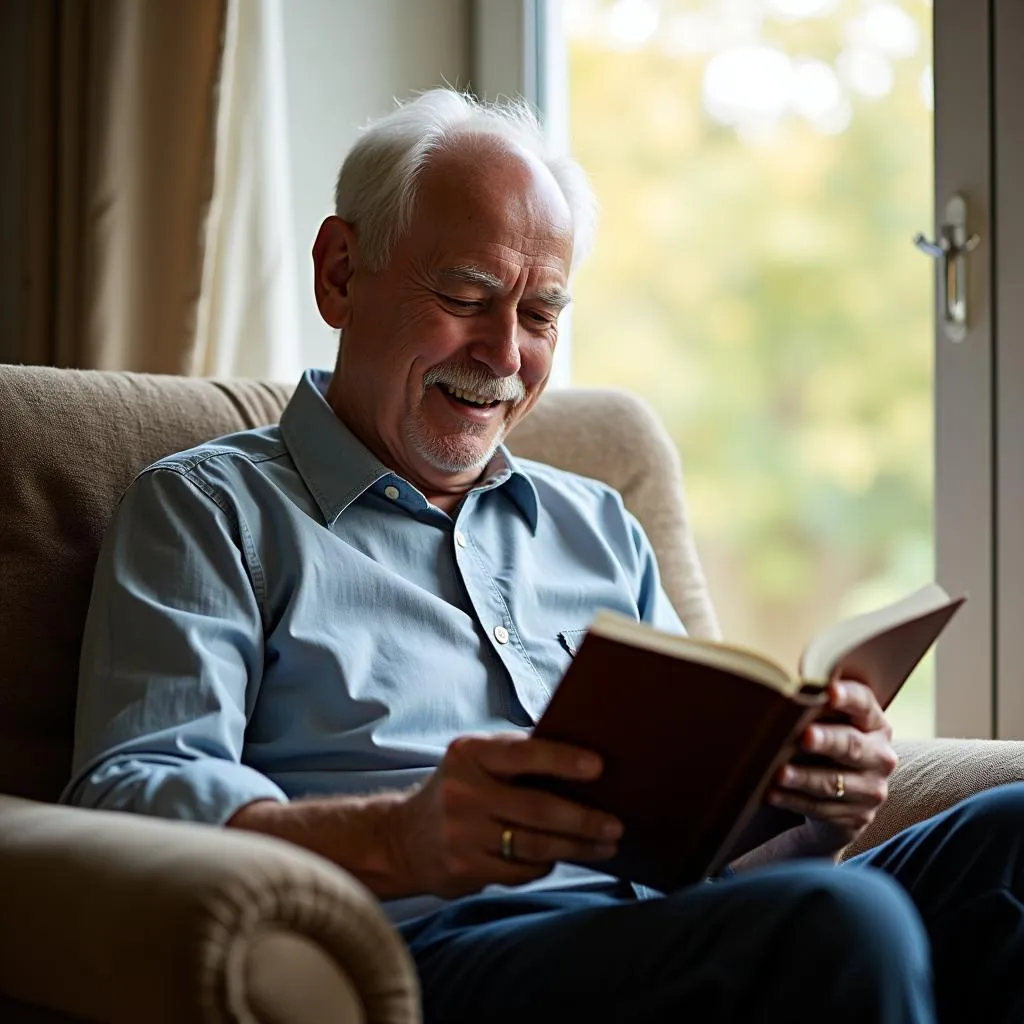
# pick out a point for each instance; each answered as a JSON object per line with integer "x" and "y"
{"x": 379, "y": 180}
{"x": 476, "y": 153}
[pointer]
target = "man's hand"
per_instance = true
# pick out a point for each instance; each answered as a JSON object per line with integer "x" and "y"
{"x": 861, "y": 760}
{"x": 447, "y": 835}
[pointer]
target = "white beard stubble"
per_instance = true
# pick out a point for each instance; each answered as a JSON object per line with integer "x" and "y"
{"x": 459, "y": 453}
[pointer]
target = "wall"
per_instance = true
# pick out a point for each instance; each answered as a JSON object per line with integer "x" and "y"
{"x": 346, "y": 61}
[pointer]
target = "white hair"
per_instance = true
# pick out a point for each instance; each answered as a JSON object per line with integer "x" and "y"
{"x": 378, "y": 182}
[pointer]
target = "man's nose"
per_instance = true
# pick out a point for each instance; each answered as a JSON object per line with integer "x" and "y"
{"x": 497, "y": 345}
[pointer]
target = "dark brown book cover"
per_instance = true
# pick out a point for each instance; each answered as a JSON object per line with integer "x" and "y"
{"x": 689, "y": 749}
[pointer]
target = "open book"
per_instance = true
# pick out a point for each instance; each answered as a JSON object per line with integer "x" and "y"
{"x": 693, "y": 731}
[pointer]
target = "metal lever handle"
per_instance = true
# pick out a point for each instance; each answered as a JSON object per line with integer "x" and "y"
{"x": 951, "y": 249}
{"x": 931, "y": 248}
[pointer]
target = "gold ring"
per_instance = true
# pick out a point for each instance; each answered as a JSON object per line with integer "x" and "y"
{"x": 506, "y": 844}
{"x": 840, "y": 786}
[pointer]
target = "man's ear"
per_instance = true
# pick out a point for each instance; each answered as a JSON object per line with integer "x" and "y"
{"x": 335, "y": 252}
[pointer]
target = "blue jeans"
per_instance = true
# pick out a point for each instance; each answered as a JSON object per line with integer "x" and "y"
{"x": 929, "y": 926}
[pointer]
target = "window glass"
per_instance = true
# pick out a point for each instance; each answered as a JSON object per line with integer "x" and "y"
{"x": 762, "y": 167}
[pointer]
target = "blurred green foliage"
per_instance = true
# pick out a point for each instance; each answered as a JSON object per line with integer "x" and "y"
{"x": 761, "y": 291}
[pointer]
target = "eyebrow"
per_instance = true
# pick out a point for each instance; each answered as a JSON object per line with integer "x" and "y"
{"x": 554, "y": 297}
{"x": 468, "y": 274}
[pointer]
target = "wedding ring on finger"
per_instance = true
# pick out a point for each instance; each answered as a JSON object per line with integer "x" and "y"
{"x": 840, "y": 787}
{"x": 506, "y": 845}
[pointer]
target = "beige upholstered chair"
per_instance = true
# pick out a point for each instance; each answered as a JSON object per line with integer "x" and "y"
{"x": 112, "y": 917}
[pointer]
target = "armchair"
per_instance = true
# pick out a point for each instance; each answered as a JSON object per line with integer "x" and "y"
{"x": 117, "y": 918}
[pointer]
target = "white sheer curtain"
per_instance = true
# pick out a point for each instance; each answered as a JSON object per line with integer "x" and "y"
{"x": 247, "y": 321}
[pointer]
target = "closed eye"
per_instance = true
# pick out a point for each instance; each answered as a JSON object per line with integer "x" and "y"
{"x": 542, "y": 319}
{"x": 466, "y": 304}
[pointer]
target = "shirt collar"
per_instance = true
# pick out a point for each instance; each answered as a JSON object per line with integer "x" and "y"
{"x": 335, "y": 465}
{"x": 338, "y": 468}
{"x": 503, "y": 471}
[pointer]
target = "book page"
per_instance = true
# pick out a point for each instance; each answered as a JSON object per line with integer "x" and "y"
{"x": 829, "y": 648}
{"x": 728, "y": 657}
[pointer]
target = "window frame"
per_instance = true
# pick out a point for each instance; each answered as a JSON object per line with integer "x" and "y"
{"x": 965, "y": 429}
{"x": 1006, "y": 29}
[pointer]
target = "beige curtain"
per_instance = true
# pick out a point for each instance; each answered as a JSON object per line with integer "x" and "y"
{"x": 120, "y": 165}
{"x": 157, "y": 227}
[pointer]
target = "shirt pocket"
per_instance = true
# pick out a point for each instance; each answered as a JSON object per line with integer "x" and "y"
{"x": 571, "y": 639}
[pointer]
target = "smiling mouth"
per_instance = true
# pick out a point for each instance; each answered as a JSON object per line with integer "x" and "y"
{"x": 468, "y": 398}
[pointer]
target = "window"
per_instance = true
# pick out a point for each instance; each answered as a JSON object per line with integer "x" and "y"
{"x": 831, "y": 78}
{"x": 762, "y": 168}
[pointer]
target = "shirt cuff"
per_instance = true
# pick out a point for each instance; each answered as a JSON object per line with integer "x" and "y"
{"x": 209, "y": 790}
{"x": 212, "y": 791}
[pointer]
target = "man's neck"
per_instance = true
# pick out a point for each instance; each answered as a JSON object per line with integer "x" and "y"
{"x": 447, "y": 501}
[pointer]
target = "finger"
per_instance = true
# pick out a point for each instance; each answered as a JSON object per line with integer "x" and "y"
{"x": 532, "y": 847}
{"x": 849, "y": 746}
{"x": 859, "y": 704}
{"x": 823, "y": 783}
{"x": 854, "y": 816}
{"x": 544, "y": 812}
{"x": 510, "y": 754}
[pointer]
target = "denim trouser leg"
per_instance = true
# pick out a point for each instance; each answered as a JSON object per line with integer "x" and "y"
{"x": 794, "y": 943}
{"x": 964, "y": 869}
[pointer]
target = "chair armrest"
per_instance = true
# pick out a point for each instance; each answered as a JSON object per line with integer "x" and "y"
{"x": 935, "y": 774}
{"x": 118, "y": 917}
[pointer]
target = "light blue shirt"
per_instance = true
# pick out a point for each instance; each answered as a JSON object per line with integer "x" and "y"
{"x": 276, "y": 614}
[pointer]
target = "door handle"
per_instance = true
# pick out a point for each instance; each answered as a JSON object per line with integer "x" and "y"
{"x": 951, "y": 249}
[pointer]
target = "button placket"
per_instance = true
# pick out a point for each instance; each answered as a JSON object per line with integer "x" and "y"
{"x": 499, "y": 632}
{"x": 492, "y": 613}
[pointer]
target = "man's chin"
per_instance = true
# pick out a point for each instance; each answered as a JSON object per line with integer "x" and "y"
{"x": 458, "y": 463}
{"x": 455, "y": 456}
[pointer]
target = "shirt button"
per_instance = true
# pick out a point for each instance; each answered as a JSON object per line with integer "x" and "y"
{"x": 501, "y": 634}
{"x": 460, "y": 538}
{"x": 391, "y": 492}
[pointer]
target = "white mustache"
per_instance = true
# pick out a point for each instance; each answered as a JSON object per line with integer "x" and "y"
{"x": 477, "y": 382}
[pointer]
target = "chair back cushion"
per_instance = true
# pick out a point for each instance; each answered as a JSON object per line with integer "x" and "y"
{"x": 73, "y": 440}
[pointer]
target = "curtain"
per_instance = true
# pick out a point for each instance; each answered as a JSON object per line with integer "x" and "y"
{"x": 248, "y": 322}
{"x": 145, "y": 156}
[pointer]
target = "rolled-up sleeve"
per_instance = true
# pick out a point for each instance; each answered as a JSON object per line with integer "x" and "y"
{"x": 172, "y": 660}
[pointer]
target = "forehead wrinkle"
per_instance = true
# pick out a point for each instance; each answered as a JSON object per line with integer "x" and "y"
{"x": 542, "y": 258}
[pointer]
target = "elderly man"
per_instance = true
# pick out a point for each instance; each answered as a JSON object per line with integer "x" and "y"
{"x": 339, "y": 631}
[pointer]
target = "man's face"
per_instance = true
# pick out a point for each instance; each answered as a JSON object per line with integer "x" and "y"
{"x": 451, "y": 344}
